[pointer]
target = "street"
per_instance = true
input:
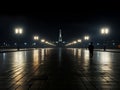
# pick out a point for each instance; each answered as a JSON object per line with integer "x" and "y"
{"x": 59, "y": 69}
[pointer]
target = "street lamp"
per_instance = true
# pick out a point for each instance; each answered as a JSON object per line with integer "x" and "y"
{"x": 18, "y": 31}
{"x": 36, "y": 38}
{"x": 42, "y": 40}
{"x": 104, "y": 31}
{"x": 86, "y": 38}
{"x": 74, "y": 42}
{"x": 79, "y": 40}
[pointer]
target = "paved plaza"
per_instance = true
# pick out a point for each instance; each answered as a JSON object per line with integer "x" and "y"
{"x": 59, "y": 69}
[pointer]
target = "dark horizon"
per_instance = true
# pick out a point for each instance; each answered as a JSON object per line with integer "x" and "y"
{"x": 88, "y": 19}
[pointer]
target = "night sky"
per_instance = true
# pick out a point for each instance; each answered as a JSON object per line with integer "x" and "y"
{"x": 74, "y": 23}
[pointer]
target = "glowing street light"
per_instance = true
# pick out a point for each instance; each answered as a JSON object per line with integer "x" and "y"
{"x": 104, "y": 31}
{"x": 36, "y": 38}
{"x": 74, "y": 42}
{"x": 42, "y": 40}
{"x": 79, "y": 40}
{"x": 18, "y": 31}
{"x": 86, "y": 37}
{"x": 46, "y": 42}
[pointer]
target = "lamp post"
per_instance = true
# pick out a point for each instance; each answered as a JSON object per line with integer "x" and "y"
{"x": 86, "y": 38}
{"x": 43, "y": 42}
{"x": 79, "y": 41}
{"x": 104, "y": 31}
{"x": 36, "y": 38}
{"x": 18, "y": 31}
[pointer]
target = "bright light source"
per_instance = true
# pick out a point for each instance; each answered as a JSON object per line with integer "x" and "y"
{"x": 20, "y": 31}
{"x": 16, "y": 31}
{"x": 104, "y": 31}
{"x": 42, "y": 40}
{"x": 75, "y": 42}
{"x": 46, "y": 42}
{"x": 86, "y": 37}
{"x": 36, "y": 37}
{"x": 79, "y": 40}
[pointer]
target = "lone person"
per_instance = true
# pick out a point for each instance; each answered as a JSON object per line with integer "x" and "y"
{"x": 91, "y": 48}
{"x": 104, "y": 48}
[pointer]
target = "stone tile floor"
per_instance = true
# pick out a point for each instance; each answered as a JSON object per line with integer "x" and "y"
{"x": 59, "y": 69}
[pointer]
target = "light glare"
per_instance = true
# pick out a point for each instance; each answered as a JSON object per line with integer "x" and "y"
{"x": 42, "y": 40}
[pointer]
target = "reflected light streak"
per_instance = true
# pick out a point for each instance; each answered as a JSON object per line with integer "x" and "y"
{"x": 105, "y": 57}
{"x": 79, "y": 53}
{"x": 18, "y": 59}
{"x": 4, "y": 56}
{"x": 42, "y": 54}
{"x": 36, "y": 57}
{"x": 86, "y": 55}
{"x": 75, "y": 51}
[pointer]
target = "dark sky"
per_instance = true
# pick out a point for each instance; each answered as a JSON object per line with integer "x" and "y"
{"x": 75, "y": 23}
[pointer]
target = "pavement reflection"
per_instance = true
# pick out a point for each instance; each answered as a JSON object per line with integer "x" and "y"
{"x": 69, "y": 68}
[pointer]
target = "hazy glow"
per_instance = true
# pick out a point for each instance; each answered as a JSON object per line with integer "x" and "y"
{"x": 105, "y": 58}
{"x": 36, "y": 37}
{"x": 43, "y": 40}
{"x": 75, "y": 42}
{"x": 79, "y": 40}
{"x": 75, "y": 51}
{"x": 18, "y": 60}
{"x": 79, "y": 53}
{"x": 46, "y": 42}
{"x": 86, "y": 37}
{"x": 104, "y": 31}
{"x": 4, "y": 56}
{"x": 42, "y": 54}
{"x": 86, "y": 55}
{"x": 36, "y": 57}
{"x": 18, "y": 31}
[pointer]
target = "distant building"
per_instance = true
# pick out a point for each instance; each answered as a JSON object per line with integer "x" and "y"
{"x": 60, "y": 42}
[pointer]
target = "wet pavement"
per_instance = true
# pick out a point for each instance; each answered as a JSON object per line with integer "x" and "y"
{"x": 59, "y": 69}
